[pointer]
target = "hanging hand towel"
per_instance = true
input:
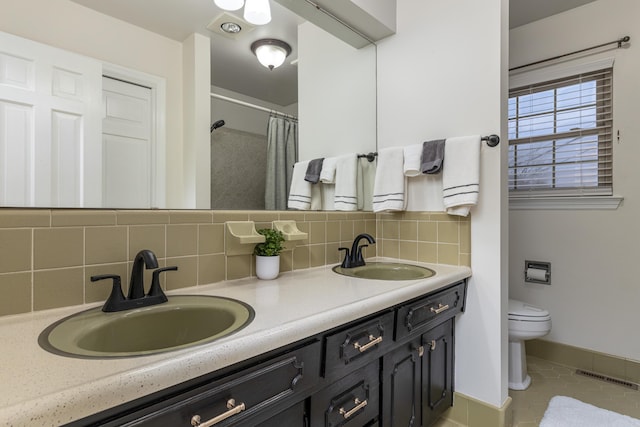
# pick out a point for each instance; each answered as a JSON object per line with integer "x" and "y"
{"x": 328, "y": 172}
{"x": 313, "y": 171}
{"x": 346, "y": 197}
{"x": 461, "y": 174}
{"x": 389, "y": 187}
{"x": 432, "y": 156}
{"x": 300, "y": 192}
{"x": 412, "y": 156}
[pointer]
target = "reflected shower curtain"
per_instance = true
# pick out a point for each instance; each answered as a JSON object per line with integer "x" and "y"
{"x": 282, "y": 153}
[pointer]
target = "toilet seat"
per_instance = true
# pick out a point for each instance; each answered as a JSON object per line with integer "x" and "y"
{"x": 521, "y": 311}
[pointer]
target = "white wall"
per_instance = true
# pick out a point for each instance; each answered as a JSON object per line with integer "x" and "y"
{"x": 336, "y": 95}
{"x": 196, "y": 118}
{"x": 594, "y": 294}
{"x": 441, "y": 75}
{"x": 69, "y": 26}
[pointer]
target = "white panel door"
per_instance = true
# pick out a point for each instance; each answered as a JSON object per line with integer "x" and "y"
{"x": 127, "y": 144}
{"x": 50, "y": 127}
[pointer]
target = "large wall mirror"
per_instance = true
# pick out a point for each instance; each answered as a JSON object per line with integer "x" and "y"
{"x": 79, "y": 153}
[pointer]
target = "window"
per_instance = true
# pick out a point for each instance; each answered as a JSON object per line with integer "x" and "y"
{"x": 560, "y": 136}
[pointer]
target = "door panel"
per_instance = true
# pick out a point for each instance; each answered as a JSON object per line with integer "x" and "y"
{"x": 50, "y": 126}
{"x": 127, "y": 144}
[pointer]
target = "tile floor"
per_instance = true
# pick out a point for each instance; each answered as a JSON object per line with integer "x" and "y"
{"x": 550, "y": 379}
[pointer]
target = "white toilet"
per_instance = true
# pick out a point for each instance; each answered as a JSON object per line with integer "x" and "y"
{"x": 525, "y": 322}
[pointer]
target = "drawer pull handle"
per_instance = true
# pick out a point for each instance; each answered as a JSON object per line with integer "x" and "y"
{"x": 359, "y": 405}
{"x": 440, "y": 308}
{"x": 233, "y": 410}
{"x": 372, "y": 341}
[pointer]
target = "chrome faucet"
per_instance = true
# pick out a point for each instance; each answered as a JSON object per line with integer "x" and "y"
{"x": 136, "y": 298}
{"x": 355, "y": 258}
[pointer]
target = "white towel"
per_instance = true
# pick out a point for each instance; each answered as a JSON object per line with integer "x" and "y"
{"x": 366, "y": 176}
{"x": 412, "y": 160}
{"x": 461, "y": 174}
{"x": 346, "y": 196}
{"x": 328, "y": 172}
{"x": 300, "y": 192}
{"x": 389, "y": 186}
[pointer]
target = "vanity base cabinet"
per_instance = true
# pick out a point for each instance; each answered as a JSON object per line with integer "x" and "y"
{"x": 393, "y": 368}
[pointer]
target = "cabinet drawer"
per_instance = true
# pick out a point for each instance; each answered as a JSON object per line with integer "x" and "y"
{"x": 354, "y": 347}
{"x": 352, "y": 401}
{"x": 237, "y": 399}
{"x": 431, "y": 310}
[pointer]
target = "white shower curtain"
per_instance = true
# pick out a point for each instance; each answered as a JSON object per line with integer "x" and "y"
{"x": 282, "y": 153}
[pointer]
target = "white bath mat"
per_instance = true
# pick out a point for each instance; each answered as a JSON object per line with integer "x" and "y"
{"x": 567, "y": 412}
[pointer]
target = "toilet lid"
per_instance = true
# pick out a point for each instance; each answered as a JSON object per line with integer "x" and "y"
{"x": 522, "y": 310}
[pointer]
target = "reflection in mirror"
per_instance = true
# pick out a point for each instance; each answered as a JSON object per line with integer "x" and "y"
{"x": 128, "y": 150}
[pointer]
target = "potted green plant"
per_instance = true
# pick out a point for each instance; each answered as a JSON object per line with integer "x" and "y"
{"x": 268, "y": 254}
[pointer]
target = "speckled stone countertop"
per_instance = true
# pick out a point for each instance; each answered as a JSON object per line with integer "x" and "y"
{"x": 40, "y": 388}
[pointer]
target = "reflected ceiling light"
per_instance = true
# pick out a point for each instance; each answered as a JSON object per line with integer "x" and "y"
{"x": 271, "y": 52}
{"x": 230, "y": 27}
{"x": 229, "y": 4}
{"x": 257, "y": 12}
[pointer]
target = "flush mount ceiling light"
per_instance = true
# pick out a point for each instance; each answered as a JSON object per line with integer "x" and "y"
{"x": 271, "y": 52}
{"x": 229, "y": 4}
{"x": 257, "y": 12}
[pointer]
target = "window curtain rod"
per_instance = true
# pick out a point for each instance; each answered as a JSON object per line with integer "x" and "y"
{"x": 619, "y": 42}
{"x": 254, "y": 106}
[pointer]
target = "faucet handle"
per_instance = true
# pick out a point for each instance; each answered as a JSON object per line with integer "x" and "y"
{"x": 346, "y": 263}
{"x": 359, "y": 257}
{"x": 156, "y": 289}
{"x": 115, "y": 300}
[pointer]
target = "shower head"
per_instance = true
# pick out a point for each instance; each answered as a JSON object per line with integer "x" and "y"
{"x": 217, "y": 125}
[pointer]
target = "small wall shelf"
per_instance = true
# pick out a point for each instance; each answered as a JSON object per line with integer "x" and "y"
{"x": 292, "y": 235}
{"x": 241, "y": 237}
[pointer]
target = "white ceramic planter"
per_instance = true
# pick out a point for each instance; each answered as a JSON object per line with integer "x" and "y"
{"x": 267, "y": 267}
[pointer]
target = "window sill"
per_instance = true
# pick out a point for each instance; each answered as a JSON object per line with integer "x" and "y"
{"x": 566, "y": 203}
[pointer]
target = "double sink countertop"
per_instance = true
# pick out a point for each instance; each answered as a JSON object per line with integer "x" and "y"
{"x": 40, "y": 388}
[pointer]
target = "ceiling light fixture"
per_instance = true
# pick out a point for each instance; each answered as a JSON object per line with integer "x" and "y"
{"x": 271, "y": 52}
{"x": 229, "y": 4}
{"x": 257, "y": 12}
{"x": 230, "y": 27}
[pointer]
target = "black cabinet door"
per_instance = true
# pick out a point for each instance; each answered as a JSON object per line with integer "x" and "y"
{"x": 401, "y": 381}
{"x": 437, "y": 372}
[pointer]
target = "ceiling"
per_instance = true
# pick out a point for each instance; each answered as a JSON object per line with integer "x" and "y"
{"x": 233, "y": 66}
{"x": 525, "y": 11}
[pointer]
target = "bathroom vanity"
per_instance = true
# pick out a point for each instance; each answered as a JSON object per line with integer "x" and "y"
{"x": 323, "y": 350}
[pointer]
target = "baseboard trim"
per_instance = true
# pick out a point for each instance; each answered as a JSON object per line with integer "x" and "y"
{"x": 582, "y": 358}
{"x": 467, "y": 408}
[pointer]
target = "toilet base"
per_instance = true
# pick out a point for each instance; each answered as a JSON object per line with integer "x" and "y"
{"x": 518, "y": 377}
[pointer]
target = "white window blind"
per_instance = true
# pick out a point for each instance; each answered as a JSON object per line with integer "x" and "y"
{"x": 560, "y": 136}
